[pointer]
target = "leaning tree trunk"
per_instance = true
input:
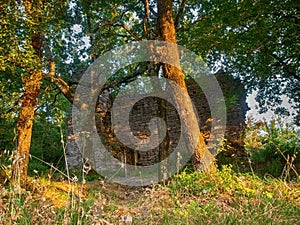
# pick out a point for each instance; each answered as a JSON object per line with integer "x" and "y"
{"x": 166, "y": 27}
{"x": 31, "y": 85}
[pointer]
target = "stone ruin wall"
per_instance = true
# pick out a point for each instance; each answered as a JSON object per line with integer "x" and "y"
{"x": 143, "y": 111}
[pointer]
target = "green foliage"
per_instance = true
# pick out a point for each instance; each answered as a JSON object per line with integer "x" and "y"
{"x": 17, "y": 59}
{"x": 273, "y": 147}
{"x": 26, "y": 207}
{"x": 186, "y": 183}
{"x": 255, "y": 40}
{"x": 7, "y": 135}
{"x": 259, "y": 212}
{"x": 225, "y": 197}
{"x": 47, "y": 144}
{"x": 7, "y": 145}
{"x": 209, "y": 184}
{"x": 220, "y": 197}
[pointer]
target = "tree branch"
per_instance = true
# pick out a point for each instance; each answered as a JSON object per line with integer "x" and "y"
{"x": 146, "y": 18}
{"x": 150, "y": 8}
{"x": 179, "y": 14}
{"x": 123, "y": 80}
{"x": 109, "y": 22}
{"x": 125, "y": 27}
{"x": 51, "y": 76}
{"x": 193, "y": 23}
{"x": 59, "y": 82}
{"x": 146, "y": 8}
{"x": 283, "y": 64}
{"x": 12, "y": 108}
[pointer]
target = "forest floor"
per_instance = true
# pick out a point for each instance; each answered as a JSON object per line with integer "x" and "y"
{"x": 219, "y": 197}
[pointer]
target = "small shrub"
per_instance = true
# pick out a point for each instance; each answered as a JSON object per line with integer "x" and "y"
{"x": 37, "y": 167}
{"x": 273, "y": 148}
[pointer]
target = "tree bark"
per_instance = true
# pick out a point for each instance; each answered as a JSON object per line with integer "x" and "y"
{"x": 202, "y": 158}
{"x": 31, "y": 85}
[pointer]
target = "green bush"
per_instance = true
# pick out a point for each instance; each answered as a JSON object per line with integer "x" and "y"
{"x": 274, "y": 148}
{"x": 45, "y": 146}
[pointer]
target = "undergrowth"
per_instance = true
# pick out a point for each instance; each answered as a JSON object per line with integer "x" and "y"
{"x": 274, "y": 149}
{"x": 221, "y": 197}
{"x": 224, "y": 196}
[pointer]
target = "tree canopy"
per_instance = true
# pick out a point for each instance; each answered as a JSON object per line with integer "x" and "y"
{"x": 255, "y": 40}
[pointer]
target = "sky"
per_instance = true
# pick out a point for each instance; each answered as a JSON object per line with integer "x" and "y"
{"x": 269, "y": 115}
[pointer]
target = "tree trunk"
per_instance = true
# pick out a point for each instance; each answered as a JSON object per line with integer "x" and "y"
{"x": 202, "y": 158}
{"x": 31, "y": 85}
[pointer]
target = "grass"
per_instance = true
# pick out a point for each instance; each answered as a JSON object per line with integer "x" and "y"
{"x": 229, "y": 198}
{"x": 221, "y": 197}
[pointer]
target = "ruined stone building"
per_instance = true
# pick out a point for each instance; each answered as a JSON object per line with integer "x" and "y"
{"x": 144, "y": 110}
